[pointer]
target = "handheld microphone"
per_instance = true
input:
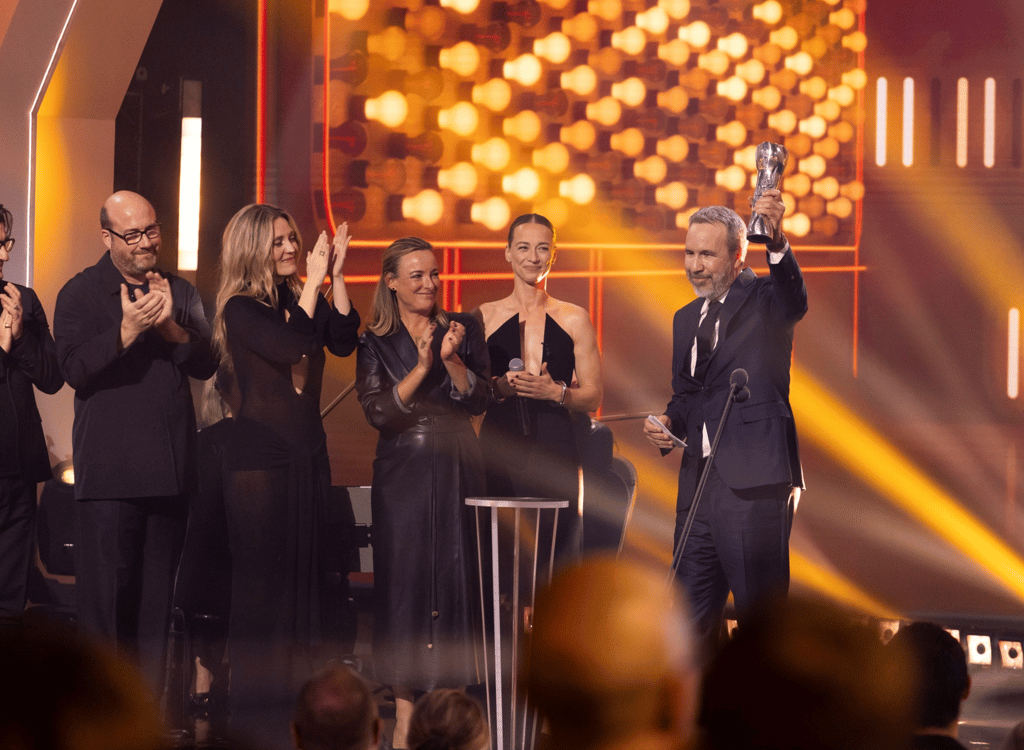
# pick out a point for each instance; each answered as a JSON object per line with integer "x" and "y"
{"x": 517, "y": 365}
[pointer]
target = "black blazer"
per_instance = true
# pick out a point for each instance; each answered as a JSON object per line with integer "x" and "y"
{"x": 135, "y": 427}
{"x": 31, "y": 361}
{"x": 755, "y": 332}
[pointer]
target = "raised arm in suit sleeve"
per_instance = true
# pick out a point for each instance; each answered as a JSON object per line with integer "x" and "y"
{"x": 787, "y": 294}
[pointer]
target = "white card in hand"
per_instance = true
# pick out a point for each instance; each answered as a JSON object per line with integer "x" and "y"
{"x": 657, "y": 422}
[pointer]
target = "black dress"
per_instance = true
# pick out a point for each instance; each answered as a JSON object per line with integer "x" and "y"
{"x": 426, "y": 605}
{"x": 540, "y": 458}
{"x": 277, "y": 479}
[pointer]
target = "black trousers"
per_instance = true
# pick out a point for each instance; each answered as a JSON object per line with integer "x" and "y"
{"x": 126, "y": 556}
{"x": 739, "y": 542}
{"x": 17, "y": 524}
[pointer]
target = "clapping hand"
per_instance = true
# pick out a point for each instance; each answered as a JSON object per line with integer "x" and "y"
{"x": 452, "y": 340}
{"x": 424, "y": 348}
{"x": 10, "y": 299}
{"x": 161, "y": 287}
{"x": 341, "y": 240}
{"x": 140, "y": 314}
{"x": 318, "y": 260}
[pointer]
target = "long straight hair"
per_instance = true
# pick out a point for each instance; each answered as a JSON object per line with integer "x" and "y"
{"x": 247, "y": 264}
{"x": 385, "y": 317}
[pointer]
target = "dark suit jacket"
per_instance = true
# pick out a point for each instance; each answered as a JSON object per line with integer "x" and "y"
{"x": 31, "y": 361}
{"x": 135, "y": 427}
{"x": 756, "y": 323}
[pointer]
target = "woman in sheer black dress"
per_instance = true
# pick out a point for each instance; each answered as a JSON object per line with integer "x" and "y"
{"x": 421, "y": 373}
{"x": 272, "y": 329}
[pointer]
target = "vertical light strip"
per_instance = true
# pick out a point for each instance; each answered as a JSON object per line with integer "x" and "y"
{"x": 881, "y": 120}
{"x": 188, "y": 193}
{"x": 30, "y": 203}
{"x": 189, "y": 174}
{"x": 990, "y": 122}
{"x": 961, "y": 122}
{"x": 1013, "y": 354}
{"x": 261, "y": 101}
{"x": 908, "y": 122}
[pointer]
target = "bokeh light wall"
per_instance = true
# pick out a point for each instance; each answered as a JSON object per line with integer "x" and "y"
{"x": 462, "y": 114}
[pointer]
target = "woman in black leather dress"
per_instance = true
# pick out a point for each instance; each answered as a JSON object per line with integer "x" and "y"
{"x": 528, "y": 435}
{"x": 271, "y": 328}
{"x": 421, "y": 374}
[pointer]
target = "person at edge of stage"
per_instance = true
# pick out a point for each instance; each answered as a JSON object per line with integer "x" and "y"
{"x": 421, "y": 374}
{"x": 271, "y": 329}
{"x": 128, "y": 339}
{"x": 739, "y": 541}
{"x": 28, "y": 357}
{"x": 528, "y": 435}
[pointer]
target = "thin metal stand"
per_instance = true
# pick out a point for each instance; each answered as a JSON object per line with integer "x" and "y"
{"x": 517, "y": 724}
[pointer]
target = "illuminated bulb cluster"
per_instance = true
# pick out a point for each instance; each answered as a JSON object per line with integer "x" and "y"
{"x": 480, "y": 109}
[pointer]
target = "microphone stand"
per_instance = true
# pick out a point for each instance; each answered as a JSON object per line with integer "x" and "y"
{"x": 337, "y": 399}
{"x": 735, "y": 391}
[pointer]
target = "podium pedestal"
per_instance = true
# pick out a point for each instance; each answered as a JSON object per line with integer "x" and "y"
{"x": 514, "y": 624}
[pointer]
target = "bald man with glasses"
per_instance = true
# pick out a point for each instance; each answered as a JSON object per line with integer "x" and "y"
{"x": 128, "y": 339}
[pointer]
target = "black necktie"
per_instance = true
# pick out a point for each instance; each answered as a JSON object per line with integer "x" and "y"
{"x": 705, "y": 338}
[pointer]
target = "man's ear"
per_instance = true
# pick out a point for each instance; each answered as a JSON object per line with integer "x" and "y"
{"x": 108, "y": 240}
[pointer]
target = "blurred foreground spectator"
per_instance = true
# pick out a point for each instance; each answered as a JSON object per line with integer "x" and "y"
{"x": 611, "y": 662}
{"x": 803, "y": 676}
{"x": 61, "y": 691}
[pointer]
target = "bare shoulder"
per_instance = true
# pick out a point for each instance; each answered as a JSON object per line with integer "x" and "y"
{"x": 493, "y": 314}
{"x": 573, "y": 319}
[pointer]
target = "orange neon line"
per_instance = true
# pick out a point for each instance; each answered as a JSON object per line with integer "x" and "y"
{"x": 446, "y": 279}
{"x": 585, "y": 246}
{"x": 632, "y": 273}
{"x": 325, "y": 174}
{"x": 261, "y": 101}
{"x": 458, "y": 281}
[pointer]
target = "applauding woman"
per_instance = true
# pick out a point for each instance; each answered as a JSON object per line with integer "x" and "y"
{"x": 546, "y": 367}
{"x": 271, "y": 329}
{"x": 421, "y": 374}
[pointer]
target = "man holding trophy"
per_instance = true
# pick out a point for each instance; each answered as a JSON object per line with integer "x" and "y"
{"x": 738, "y": 332}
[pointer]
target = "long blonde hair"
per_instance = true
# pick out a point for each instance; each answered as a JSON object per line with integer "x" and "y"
{"x": 247, "y": 264}
{"x": 385, "y": 318}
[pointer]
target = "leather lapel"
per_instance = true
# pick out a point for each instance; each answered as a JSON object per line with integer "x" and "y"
{"x": 403, "y": 347}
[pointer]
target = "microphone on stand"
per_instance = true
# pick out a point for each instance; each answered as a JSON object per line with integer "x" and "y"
{"x": 517, "y": 365}
{"x": 738, "y": 393}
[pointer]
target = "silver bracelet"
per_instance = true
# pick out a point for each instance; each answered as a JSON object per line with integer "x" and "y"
{"x": 561, "y": 401}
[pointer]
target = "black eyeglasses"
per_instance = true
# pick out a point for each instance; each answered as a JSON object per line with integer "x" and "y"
{"x": 8, "y": 244}
{"x": 134, "y": 236}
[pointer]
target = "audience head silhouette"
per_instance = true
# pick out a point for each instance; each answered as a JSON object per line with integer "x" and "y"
{"x": 335, "y": 711}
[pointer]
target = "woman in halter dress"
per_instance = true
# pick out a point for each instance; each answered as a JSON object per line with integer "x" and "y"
{"x": 528, "y": 435}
